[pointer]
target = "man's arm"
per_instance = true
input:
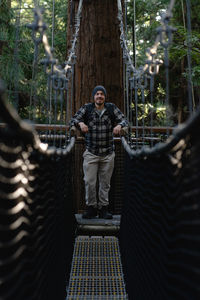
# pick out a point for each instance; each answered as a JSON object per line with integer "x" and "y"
{"x": 83, "y": 127}
{"x": 78, "y": 120}
{"x": 120, "y": 120}
{"x": 117, "y": 129}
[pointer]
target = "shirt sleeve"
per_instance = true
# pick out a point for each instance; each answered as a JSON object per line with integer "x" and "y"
{"x": 119, "y": 117}
{"x": 78, "y": 117}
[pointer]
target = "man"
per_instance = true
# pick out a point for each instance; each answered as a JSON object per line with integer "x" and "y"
{"x": 98, "y": 121}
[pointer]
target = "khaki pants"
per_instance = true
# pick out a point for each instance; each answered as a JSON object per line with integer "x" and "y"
{"x": 101, "y": 166}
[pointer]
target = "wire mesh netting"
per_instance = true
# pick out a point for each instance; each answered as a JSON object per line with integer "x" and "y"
{"x": 36, "y": 223}
{"x": 160, "y": 221}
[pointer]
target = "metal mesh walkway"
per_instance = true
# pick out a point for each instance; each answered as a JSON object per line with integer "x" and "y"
{"x": 96, "y": 271}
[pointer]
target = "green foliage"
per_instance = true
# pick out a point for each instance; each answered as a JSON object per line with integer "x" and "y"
{"x": 146, "y": 111}
{"x": 147, "y": 20}
{"x": 17, "y": 51}
{"x": 147, "y": 16}
{"x": 196, "y": 75}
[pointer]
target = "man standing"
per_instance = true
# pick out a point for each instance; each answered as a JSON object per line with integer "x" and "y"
{"x": 98, "y": 121}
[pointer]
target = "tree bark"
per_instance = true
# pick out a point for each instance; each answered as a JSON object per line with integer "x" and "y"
{"x": 99, "y": 54}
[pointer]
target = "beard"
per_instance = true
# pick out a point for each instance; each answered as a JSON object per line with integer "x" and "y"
{"x": 97, "y": 103}
{"x": 99, "y": 99}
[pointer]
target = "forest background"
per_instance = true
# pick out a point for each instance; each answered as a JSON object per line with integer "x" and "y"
{"x": 17, "y": 50}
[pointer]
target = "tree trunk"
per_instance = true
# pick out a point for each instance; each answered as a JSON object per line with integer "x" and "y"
{"x": 99, "y": 54}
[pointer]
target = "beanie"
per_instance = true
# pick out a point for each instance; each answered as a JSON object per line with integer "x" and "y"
{"x": 98, "y": 88}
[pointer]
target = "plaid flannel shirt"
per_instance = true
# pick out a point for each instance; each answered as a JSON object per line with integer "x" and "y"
{"x": 99, "y": 139}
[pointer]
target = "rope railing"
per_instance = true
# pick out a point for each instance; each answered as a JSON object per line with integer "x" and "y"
{"x": 39, "y": 27}
{"x": 152, "y": 64}
{"x": 36, "y": 212}
{"x": 159, "y": 235}
{"x": 141, "y": 79}
{"x": 177, "y": 134}
{"x": 59, "y": 76}
{"x": 30, "y": 136}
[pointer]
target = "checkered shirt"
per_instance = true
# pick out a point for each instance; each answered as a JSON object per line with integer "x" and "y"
{"x": 99, "y": 139}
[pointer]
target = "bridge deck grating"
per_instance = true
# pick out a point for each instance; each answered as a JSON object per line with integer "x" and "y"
{"x": 96, "y": 271}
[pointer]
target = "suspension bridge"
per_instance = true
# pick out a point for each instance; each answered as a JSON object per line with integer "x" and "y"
{"x": 151, "y": 248}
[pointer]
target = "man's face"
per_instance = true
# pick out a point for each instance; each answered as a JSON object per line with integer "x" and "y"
{"x": 99, "y": 98}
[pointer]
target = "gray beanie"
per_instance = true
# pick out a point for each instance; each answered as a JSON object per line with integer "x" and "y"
{"x": 98, "y": 88}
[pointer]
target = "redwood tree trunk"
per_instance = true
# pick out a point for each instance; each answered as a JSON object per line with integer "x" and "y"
{"x": 99, "y": 54}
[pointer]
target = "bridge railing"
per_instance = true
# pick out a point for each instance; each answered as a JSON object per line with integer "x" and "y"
{"x": 159, "y": 234}
{"x": 150, "y": 138}
{"x": 36, "y": 213}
